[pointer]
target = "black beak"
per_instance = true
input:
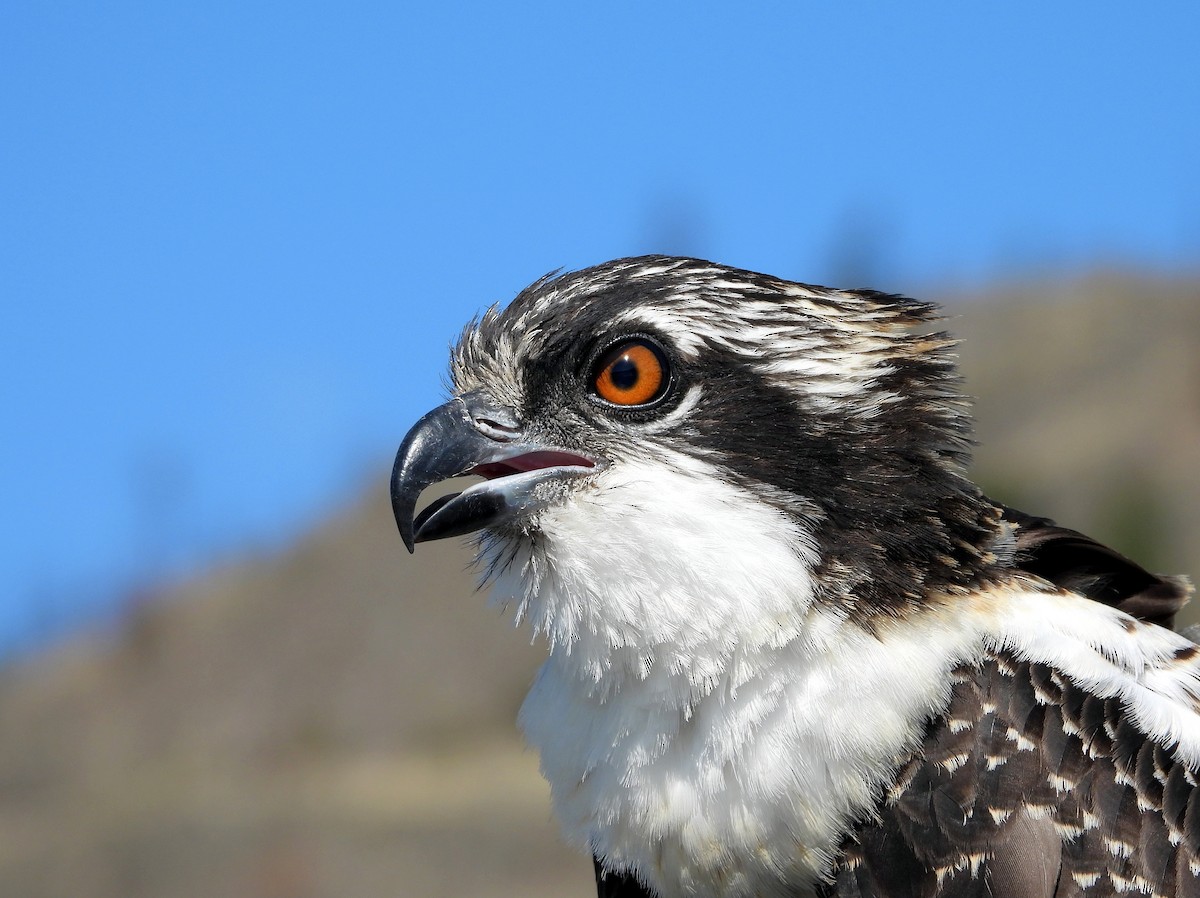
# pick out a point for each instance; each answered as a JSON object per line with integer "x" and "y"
{"x": 470, "y": 435}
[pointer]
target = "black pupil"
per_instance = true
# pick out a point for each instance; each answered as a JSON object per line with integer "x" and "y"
{"x": 624, "y": 373}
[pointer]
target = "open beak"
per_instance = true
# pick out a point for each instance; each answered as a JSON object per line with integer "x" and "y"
{"x": 470, "y": 435}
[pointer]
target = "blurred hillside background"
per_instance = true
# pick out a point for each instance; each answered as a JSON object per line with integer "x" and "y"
{"x": 235, "y": 240}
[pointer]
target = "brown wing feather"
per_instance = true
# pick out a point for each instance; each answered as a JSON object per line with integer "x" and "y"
{"x": 1030, "y": 787}
{"x": 1073, "y": 561}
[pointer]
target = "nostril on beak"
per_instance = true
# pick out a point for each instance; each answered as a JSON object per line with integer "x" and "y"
{"x": 490, "y": 418}
{"x": 497, "y": 430}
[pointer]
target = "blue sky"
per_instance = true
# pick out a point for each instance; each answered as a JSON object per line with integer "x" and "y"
{"x": 235, "y": 238}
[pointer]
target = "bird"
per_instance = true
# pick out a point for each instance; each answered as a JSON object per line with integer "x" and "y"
{"x": 792, "y": 649}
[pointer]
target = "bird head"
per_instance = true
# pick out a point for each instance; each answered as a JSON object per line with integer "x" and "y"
{"x": 674, "y": 418}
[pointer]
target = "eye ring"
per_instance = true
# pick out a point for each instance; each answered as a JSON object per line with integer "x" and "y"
{"x": 633, "y": 373}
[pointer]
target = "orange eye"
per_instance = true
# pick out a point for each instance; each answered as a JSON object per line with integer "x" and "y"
{"x": 633, "y": 373}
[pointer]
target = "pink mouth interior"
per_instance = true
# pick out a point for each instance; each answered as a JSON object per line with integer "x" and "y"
{"x": 530, "y": 461}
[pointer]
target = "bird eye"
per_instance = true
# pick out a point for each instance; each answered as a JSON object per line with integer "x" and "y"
{"x": 633, "y": 373}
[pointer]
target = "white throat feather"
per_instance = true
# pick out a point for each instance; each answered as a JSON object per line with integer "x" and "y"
{"x": 700, "y": 711}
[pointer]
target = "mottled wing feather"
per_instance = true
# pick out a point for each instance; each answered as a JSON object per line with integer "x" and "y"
{"x": 1029, "y": 787}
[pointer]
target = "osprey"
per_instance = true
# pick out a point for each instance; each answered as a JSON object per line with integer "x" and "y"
{"x": 793, "y": 649}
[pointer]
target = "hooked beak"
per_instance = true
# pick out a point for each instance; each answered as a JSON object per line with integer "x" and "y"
{"x": 469, "y": 435}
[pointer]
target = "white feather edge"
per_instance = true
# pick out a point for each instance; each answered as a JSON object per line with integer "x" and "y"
{"x": 1108, "y": 653}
